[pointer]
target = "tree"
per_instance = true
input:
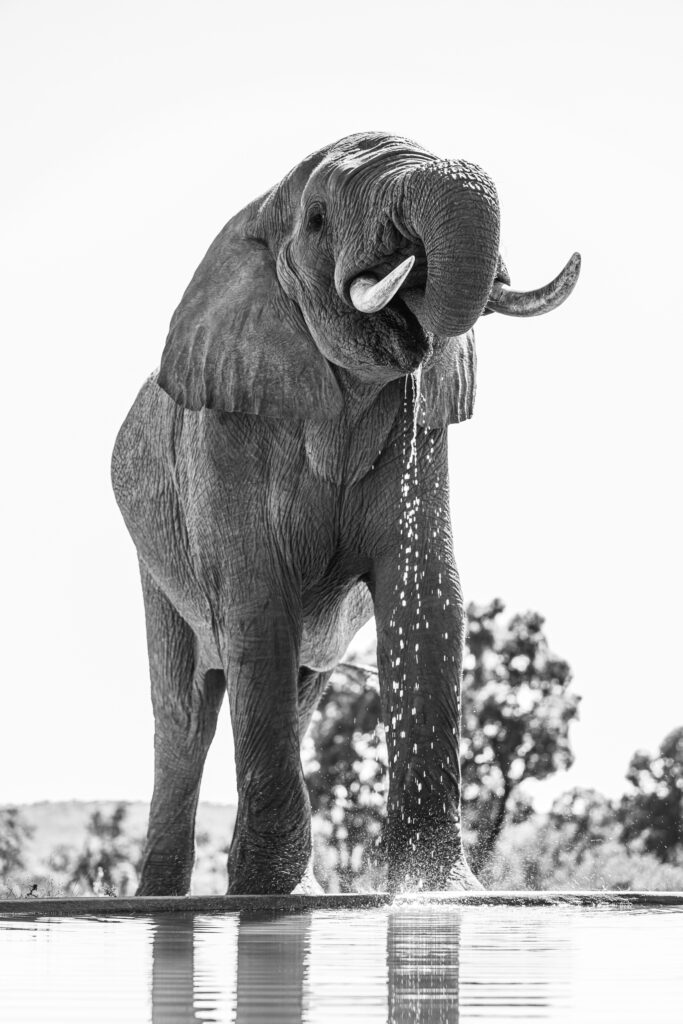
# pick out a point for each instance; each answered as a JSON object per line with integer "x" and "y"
{"x": 15, "y": 832}
{"x": 516, "y": 713}
{"x": 345, "y": 763}
{"x": 585, "y": 818}
{"x": 652, "y": 813}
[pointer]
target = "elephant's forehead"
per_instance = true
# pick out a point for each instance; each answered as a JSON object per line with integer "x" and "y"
{"x": 375, "y": 164}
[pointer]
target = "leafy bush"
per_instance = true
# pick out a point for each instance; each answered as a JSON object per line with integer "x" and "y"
{"x": 538, "y": 855}
{"x": 15, "y": 833}
{"x": 652, "y": 812}
{"x": 108, "y": 862}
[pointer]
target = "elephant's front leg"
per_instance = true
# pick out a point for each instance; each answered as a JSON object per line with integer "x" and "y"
{"x": 271, "y": 845}
{"x": 420, "y": 627}
{"x": 186, "y": 697}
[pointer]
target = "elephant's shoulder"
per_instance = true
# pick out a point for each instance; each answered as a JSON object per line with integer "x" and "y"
{"x": 179, "y": 444}
{"x": 145, "y": 447}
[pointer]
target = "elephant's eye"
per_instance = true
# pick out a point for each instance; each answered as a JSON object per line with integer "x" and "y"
{"x": 316, "y": 218}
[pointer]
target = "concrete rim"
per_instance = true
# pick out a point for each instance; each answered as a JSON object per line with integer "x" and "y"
{"x": 75, "y": 906}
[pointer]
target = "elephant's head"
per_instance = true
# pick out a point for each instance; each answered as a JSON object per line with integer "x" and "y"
{"x": 372, "y": 255}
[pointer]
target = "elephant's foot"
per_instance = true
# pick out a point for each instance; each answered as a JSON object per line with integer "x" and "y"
{"x": 269, "y": 862}
{"x": 274, "y": 879}
{"x": 271, "y": 882}
{"x": 165, "y": 874}
{"x": 309, "y": 884}
{"x": 428, "y": 857}
{"x": 462, "y": 878}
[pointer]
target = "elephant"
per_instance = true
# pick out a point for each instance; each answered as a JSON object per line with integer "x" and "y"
{"x": 283, "y": 476}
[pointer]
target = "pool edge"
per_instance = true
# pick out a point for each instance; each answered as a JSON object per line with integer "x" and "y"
{"x": 74, "y": 906}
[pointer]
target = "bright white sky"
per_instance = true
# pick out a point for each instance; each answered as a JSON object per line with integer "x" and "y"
{"x": 132, "y": 131}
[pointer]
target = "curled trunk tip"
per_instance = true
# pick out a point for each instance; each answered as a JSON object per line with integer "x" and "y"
{"x": 542, "y": 300}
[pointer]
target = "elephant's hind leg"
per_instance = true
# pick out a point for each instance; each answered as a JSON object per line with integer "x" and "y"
{"x": 310, "y": 689}
{"x": 186, "y": 700}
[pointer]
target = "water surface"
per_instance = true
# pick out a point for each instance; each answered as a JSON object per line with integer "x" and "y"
{"x": 392, "y": 964}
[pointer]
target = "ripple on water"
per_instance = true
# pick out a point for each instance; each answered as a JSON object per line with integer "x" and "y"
{"x": 399, "y": 964}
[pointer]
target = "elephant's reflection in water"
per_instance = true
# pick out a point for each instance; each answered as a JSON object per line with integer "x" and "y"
{"x": 423, "y": 965}
{"x": 196, "y": 980}
{"x": 272, "y": 953}
{"x": 271, "y": 980}
{"x": 173, "y": 968}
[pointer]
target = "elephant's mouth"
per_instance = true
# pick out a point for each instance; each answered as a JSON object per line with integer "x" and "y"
{"x": 404, "y": 305}
{"x": 418, "y": 338}
{"x": 416, "y": 278}
{"x": 402, "y": 312}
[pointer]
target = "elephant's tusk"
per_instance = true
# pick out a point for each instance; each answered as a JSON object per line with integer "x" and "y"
{"x": 504, "y": 300}
{"x": 369, "y": 295}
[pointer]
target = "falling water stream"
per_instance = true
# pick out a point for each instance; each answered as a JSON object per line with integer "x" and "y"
{"x": 407, "y": 590}
{"x": 409, "y": 623}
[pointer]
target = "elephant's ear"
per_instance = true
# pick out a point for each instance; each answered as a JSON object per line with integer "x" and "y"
{"x": 237, "y": 343}
{"x": 449, "y": 383}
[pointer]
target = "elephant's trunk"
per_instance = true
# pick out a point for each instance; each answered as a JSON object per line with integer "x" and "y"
{"x": 451, "y": 208}
{"x": 541, "y": 300}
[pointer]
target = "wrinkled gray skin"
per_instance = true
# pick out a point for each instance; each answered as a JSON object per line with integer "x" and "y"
{"x": 260, "y": 476}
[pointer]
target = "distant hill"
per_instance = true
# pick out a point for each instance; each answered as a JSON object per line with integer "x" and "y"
{"x": 64, "y": 823}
